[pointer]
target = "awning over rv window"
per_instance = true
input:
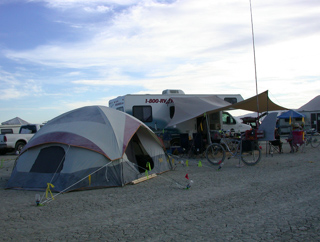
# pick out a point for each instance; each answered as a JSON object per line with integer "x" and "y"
{"x": 187, "y": 108}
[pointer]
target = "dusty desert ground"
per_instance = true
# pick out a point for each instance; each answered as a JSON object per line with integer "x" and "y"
{"x": 276, "y": 200}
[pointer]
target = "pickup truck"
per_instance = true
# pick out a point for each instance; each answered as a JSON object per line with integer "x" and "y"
{"x": 16, "y": 142}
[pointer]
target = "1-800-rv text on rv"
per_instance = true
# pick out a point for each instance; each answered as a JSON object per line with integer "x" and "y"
{"x": 158, "y": 100}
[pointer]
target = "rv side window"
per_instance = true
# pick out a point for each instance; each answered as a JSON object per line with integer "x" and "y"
{"x": 171, "y": 111}
{"x": 227, "y": 119}
{"x": 143, "y": 113}
{"x": 231, "y": 100}
{"x": 6, "y": 131}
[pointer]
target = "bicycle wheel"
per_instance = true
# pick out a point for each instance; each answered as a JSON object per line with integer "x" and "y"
{"x": 315, "y": 140}
{"x": 251, "y": 155}
{"x": 215, "y": 154}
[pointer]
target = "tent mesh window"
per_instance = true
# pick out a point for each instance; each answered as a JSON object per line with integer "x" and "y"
{"x": 49, "y": 160}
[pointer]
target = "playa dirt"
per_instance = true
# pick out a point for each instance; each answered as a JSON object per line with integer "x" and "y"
{"x": 276, "y": 200}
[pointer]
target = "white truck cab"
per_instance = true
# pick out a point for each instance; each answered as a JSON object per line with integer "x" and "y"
{"x": 233, "y": 124}
{"x": 16, "y": 141}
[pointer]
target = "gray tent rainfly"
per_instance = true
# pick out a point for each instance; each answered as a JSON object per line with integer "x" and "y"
{"x": 89, "y": 147}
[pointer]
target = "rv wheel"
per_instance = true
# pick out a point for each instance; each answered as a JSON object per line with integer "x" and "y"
{"x": 175, "y": 142}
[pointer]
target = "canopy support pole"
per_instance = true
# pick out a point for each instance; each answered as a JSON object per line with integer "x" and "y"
{"x": 254, "y": 58}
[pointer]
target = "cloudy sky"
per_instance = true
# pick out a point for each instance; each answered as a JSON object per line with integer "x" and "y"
{"x": 58, "y": 55}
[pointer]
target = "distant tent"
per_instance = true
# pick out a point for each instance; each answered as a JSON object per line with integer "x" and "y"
{"x": 312, "y": 111}
{"x": 14, "y": 121}
{"x": 86, "y": 148}
{"x": 288, "y": 118}
{"x": 311, "y": 106}
{"x": 292, "y": 114}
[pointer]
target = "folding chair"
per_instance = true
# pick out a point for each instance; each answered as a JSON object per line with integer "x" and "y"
{"x": 198, "y": 143}
{"x": 275, "y": 146}
{"x": 185, "y": 143}
{"x": 297, "y": 140}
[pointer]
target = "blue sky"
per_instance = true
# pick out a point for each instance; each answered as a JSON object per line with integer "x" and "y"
{"x": 58, "y": 55}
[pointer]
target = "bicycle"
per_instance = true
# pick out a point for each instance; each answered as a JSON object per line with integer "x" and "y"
{"x": 313, "y": 138}
{"x": 250, "y": 153}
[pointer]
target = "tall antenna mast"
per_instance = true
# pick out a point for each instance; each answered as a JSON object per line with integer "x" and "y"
{"x": 254, "y": 57}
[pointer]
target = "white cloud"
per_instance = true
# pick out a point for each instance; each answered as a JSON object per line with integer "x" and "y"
{"x": 145, "y": 36}
{"x": 69, "y": 4}
{"x": 14, "y": 86}
{"x": 73, "y": 105}
{"x": 100, "y": 9}
{"x": 199, "y": 46}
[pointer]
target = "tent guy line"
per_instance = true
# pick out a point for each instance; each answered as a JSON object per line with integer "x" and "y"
{"x": 52, "y": 197}
{"x": 170, "y": 179}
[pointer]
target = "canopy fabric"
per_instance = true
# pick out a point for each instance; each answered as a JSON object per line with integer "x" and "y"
{"x": 312, "y": 105}
{"x": 187, "y": 108}
{"x": 250, "y": 104}
{"x": 291, "y": 114}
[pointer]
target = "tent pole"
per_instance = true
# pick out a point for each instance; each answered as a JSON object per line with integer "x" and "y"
{"x": 254, "y": 58}
{"x": 208, "y": 130}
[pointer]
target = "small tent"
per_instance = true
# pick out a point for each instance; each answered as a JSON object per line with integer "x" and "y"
{"x": 290, "y": 114}
{"x": 288, "y": 118}
{"x": 89, "y": 147}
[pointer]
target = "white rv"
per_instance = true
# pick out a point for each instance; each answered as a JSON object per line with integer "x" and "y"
{"x": 157, "y": 111}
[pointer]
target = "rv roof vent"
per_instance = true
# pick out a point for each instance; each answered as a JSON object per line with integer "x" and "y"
{"x": 170, "y": 91}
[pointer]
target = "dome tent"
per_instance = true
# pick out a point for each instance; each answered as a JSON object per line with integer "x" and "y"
{"x": 89, "y": 147}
